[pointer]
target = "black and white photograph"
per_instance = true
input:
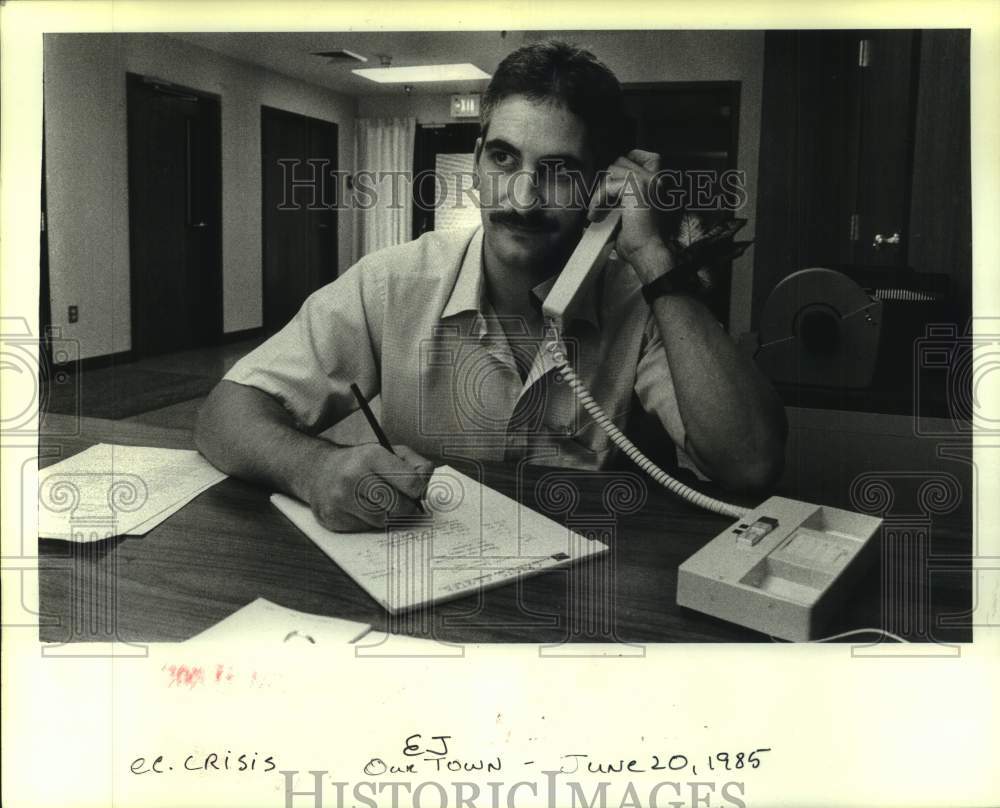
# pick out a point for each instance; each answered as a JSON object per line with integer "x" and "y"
{"x": 371, "y": 271}
{"x": 371, "y": 352}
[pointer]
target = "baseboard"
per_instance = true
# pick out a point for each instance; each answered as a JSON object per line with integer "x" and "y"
{"x": 106, "y": 360}
{"x": 239, "y": 336}
{"x": 122, "y": 357}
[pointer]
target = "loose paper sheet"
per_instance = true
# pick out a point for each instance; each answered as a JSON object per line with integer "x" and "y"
{"x": 472, "y": 537}
{"x": 266, "y": 624}
{"x": 109, "y": 490}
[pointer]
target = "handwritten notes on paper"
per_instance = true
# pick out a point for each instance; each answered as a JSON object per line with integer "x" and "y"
{"x": 471, "y": 538}
{"x": 109, "y": 490}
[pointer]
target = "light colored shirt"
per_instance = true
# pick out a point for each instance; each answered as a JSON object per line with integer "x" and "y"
{"x": 411, "y": 323}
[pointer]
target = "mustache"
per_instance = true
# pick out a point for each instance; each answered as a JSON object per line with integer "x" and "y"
{"x": 531, "y": 220}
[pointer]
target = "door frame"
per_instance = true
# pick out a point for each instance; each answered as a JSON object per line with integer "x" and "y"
{"x": 134, "y": 81}
{"x": 423, "y": 160}
{"x": 733, "y": 87}
{"x": 277, "y": 112}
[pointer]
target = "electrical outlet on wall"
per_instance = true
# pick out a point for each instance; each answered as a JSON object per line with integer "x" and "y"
{"x": 73, "y": 314}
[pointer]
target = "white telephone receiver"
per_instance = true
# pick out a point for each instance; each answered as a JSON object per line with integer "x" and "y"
{"x": 590, "y": 255}
{"x": 783, "y": 567}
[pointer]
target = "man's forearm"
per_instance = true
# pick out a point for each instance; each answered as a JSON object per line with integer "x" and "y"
{"x": 245, "y": 432}
{"x": 734, "y": 421}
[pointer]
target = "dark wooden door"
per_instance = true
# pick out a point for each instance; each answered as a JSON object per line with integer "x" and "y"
{"x": 808, "y": 155}
{"x": 939, "y": 239}
{"x": 175, "y": 215}
{"x": 836, "y": 152}
{"x": 299, "y": 213}
{"x": 885, "y": 159}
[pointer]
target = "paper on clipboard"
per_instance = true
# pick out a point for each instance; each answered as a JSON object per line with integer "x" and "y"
{"x": 472, "y": 538}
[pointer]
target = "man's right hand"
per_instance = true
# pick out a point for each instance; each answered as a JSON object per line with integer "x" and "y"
{"x": 355, "y": 488}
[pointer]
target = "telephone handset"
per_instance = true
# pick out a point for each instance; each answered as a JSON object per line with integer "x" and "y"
{"x": 584, "y": 264}
{"x": 781, "y": 568}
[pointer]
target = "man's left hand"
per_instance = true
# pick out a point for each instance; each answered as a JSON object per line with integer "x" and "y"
{"x": 629, "y": 182}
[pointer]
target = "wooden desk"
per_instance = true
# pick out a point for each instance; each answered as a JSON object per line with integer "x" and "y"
{"x": 231, "y": 546}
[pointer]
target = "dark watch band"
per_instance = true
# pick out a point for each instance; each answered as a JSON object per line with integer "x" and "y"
{"x": 675, "y": 282}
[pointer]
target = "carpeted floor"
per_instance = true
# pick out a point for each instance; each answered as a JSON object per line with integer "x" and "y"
{"x": 164, "y": 390}
{"x": 119, "y": 392}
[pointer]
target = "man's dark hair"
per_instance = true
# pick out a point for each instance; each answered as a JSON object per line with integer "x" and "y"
{"x": 557, "y": 71}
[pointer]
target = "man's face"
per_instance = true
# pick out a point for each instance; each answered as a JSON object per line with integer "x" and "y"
{"x": 529, "y": 170}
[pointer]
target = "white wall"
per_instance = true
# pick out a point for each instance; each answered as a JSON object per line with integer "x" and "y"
{"x": 426, "y": 108}
{"x": 86, "y": 172}
{"x": 86, "y": 177}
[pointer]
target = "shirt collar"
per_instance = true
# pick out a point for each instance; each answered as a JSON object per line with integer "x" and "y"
{"x": 467, "y": 293}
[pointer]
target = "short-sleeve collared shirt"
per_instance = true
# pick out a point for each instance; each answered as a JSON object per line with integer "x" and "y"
{"x": 411, "y": 323}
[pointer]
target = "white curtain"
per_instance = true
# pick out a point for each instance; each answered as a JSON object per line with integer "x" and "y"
{"x": 383, "y": 149}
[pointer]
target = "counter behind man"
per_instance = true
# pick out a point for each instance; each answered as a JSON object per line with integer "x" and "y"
{"x": 448, "y": 328}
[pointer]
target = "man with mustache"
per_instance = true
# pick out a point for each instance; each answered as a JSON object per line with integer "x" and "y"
{"x": 448, "y": 329}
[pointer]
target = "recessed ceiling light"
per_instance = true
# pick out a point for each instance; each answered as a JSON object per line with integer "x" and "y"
{"x": 417, "y": 73}
{"x": 340, "y": 55}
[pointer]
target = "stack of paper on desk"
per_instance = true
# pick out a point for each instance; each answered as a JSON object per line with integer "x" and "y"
{"x": 263, "y": 622}
{"x": 471, "y": 538}
{"x": 110, "y": 490}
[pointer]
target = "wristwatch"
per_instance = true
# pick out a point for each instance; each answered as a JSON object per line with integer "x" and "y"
{"x": 681, "y": 280}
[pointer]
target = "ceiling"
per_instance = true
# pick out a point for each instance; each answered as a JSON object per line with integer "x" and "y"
{"x": 291, "y": 54}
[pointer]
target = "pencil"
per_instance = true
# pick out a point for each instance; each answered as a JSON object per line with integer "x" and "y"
{"x": 377, "y": 429}
{"x": 372, "y": 420}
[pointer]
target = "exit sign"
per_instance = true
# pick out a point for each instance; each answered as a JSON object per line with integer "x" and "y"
{"x": 465, "y": 105}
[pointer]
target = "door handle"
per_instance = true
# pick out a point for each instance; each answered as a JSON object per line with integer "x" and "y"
{"x": 881, "y": 241}
{"x": 199, "y": 224}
